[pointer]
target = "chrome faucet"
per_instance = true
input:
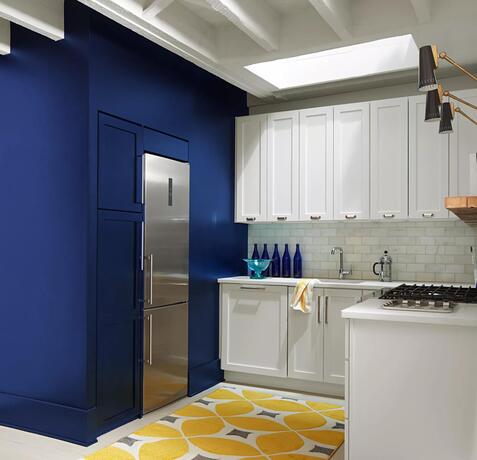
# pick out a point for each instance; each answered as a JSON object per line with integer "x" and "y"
{"x": 342, "y": 271}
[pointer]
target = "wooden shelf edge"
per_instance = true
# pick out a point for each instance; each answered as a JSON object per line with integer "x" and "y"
{"x": 464, "y": 207}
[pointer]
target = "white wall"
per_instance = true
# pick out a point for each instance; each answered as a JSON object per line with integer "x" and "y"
{"x": 437, "y": 251}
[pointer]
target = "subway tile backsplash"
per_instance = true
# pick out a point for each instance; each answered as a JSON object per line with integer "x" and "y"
{"x": 437, "y": 251}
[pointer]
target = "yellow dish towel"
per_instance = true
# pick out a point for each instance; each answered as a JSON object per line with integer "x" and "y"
{"x": 302, "y": 298}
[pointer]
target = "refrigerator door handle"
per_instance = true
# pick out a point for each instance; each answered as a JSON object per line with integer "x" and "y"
{"x": 150, "y": 340}
{"x": 151, "y": 271}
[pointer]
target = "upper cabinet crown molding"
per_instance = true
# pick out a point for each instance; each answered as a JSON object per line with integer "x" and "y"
{"x": 389, "y": 158}
{"x": 283, "y": 166}
{"x": 428, "y": 164}
{"x": 351, "y": 161}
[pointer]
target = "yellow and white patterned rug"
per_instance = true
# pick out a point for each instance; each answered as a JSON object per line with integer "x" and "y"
{"x": 235, "y": 423}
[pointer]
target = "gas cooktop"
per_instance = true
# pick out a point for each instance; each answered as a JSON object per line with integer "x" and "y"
{"x": 428, "y": 297}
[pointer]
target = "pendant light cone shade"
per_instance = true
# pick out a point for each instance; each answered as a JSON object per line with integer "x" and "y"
{"x": 433, "y": 102}
{"x": 445, "y": 125}
{"x": 427, "y": 66}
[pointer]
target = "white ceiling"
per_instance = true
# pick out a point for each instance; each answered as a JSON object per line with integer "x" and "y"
{"x": 223, "y": 36}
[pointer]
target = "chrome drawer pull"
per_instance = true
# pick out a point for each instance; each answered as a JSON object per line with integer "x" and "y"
{"x": 315, "y": 217}
{"x": 388, "y": 215}
{"x": 427, "y": 214}
{"x": 251, "y": 219}
{"x": 281, "y": 218}
{"x": 326, "y": 310}
{"x": 350, "y": 216}
{"x": 253, "y": 288}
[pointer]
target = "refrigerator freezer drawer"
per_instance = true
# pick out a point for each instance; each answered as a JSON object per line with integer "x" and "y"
{"x": 165, "y": 355}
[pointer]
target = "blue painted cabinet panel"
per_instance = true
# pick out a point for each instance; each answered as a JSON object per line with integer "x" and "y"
{"x": 119, "y": 298}
{"x": 120, "y": 151}
{"x": 165, "y": 145}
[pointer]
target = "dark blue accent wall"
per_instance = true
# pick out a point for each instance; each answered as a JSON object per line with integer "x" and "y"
{"x": 51, "y": 95}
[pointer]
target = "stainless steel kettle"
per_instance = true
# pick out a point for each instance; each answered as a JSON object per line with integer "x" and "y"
{"x": 385, "y": 263}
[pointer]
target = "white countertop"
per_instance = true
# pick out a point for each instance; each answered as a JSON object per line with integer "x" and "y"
{"x": 463, "y": 314}
{"x": 322, "y": 283}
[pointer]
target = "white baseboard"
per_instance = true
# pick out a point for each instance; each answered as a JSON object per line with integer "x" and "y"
{"x": 281, "y": 383}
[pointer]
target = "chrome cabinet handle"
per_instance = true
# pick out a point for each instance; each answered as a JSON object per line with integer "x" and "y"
{"x": 388, "y": 215}
{"x": 253, "y": 288}
{"x": 315, "y": 217}
{"x": 326, "y": 310}
{"x": 150, "y": 340}
{"x": 250, "y": 219}
{"x": 427, "y": 214}
{"x": 319, "y": 309}
{"x": 151, "y": 269}
{"x": 350, "y": 216}
{"x": 281, "y": 218}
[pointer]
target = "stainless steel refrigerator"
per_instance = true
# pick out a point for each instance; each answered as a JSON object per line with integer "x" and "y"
{"x": 166, "y": 280}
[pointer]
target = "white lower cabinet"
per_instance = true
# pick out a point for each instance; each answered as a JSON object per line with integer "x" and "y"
{"x": 260, "y": 334}
{"x": 305, "y": 341}
{"x": 336, "y": 300}
{"x": 254, "y": 329}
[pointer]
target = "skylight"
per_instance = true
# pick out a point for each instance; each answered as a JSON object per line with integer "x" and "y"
{"x": 365, "y": 59}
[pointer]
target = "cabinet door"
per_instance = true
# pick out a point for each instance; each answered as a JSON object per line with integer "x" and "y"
{"x": 316, "y": 164}
{"x": 389, "y": 165}
{"x": 305, "y": 341}
{"x": 336, "y": 300}
{"x": 428, "y": 164}
{"x": 118, "y": 312}
{"x": 254, "y": 329}
{"x": 283, "y": 164}
{"x": 463, "y": 150}
{"x": 120, "y": 151}
{"x": 251, "y": 168}
{"x": 351, "y": 161}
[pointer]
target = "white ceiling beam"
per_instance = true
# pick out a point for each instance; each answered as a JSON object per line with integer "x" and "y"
{"x": 422, "y": 9}
{"x": 45, "y": 17}
{"x": 4, "y": 37}
{"x": 155, "y": 7}
{"x": 160, "y": 30}
{"x": 337, "y": 14}
{"x": 255, "y": 18}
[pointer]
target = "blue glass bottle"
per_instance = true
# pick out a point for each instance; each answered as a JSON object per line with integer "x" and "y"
{"x": 255, "y": 255}
{"x": 276, "y": 262}
{"x": 297, "y": 263}
{"x": 286, "y": 263}
{"x": 265, "y": 255}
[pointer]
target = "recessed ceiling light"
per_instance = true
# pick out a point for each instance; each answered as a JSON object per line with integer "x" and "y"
{"x": 370, "y": 58}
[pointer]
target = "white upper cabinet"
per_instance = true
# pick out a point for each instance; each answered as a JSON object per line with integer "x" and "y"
{"x": 351, "y": 161}
{"x": 428, "y": 164}
{"x": 389, "y": 165}
{"x": 463, "y": 149}
{"x": 283, "y": 164}
{"x": 251, "y": 168}
{"x": 316, "y": 164}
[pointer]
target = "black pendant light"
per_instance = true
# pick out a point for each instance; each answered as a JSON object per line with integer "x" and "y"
{"x": 427, "y": 66}
{"x": 447, "y": 114}
{"x": 433, "y": 102}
